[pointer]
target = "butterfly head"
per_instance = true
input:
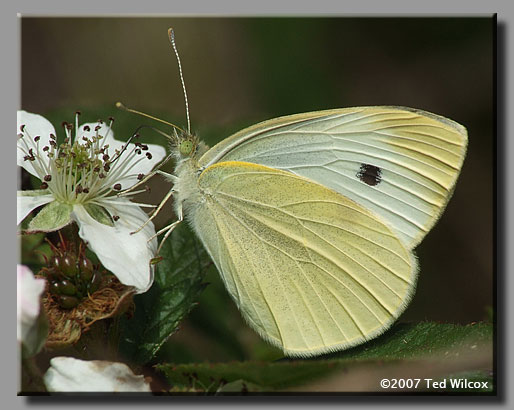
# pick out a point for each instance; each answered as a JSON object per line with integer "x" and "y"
{"x": 186, "y": 145}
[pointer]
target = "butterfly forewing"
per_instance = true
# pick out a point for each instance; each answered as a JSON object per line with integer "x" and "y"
{"x": 310, "y": 270}
{"x": 399, "y": 163}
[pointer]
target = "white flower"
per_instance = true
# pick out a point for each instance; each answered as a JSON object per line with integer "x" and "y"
{"x": 29, "y": 290}
{"x": 67, "y": 374}
{"x": 80, "y": 179}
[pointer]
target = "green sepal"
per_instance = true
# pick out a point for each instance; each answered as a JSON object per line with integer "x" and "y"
{"x": 52, "y": 217}
{"x": 99, "y": 214}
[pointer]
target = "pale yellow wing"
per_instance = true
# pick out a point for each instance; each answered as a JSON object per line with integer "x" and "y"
{"x": 400, "y": 163}
{"x": 310, "y": 270}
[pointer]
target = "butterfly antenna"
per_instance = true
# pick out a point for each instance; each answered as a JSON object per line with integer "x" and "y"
{"x": 171, "y": 35}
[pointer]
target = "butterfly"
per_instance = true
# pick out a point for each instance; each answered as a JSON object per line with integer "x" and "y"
{"x": 311, "y": 219}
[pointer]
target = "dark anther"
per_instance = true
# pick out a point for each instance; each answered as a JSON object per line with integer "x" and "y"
{"x": 111, "y": 119}
{"x": 117, "y": 187}
{"x": 78, "y": 112}
{"x": 52, "y": 143}
{"x": 87, "y": 128}
{"x": 47, "y": 178}
{"x": 86, "y": 190}
{"x": 84, "y": 139}
{"x": 107, "y": 167}
{"x": 30, "y": 157}
{"x": 22, "y": 128}
{"x": 52, "y": 136}
{"x": 115, "y": 217}
{"x": 37, "y": 138}
{"x": 44, "y": 185}
{"x": 144, "y": 147}
{"x": 138, "y": 151}
{"x": 140, "y": 176}
{"x": 96, "y": 169}
{"x": 97, "y": 127}
{"x": 78, "y": 189}
{"x": 148, "y": 155}
{"x": 101, "y": 175}
{"x": 46, "y": 148}
{"x": 106, "y": 157}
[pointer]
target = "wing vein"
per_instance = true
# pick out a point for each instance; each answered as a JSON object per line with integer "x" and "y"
{"x": 251, "y": 301}
{"x": 320, "y": 254}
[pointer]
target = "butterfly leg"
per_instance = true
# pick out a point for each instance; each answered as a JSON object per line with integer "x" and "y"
{"x": 156, "y": 211}
{"x": 169, "y": 229}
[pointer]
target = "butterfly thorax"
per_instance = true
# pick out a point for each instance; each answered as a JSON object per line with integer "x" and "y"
{"x": 187, "y": 191}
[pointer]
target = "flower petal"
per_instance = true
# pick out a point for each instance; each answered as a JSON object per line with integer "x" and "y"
{"x": 133, "y": 165}
{"x": 29, "y": 200}
{"x": 29, "y": 290}
{"x": 139, "y": 164}
{"x": 127, "y": 256}
{"x": 34, "y": 125}
{"x": 67, "y": 374}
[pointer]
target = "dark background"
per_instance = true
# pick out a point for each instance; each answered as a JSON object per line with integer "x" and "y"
{"x": 240, "y": 71}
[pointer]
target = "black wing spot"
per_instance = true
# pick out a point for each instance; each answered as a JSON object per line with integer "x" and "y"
{"x": 370, "y": 174}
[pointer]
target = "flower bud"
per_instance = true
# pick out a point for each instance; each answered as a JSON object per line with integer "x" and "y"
{"x": 55, "y": 288}
{"x": 67, "y": 288}
{"x": 68, "y": 302}
{"x": 95, "y": 282}
{"x": 69, "y": 266}
{"x": 86, "y": 269}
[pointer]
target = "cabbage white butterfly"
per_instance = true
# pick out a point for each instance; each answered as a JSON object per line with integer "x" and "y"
{"x": 311, "y": 219}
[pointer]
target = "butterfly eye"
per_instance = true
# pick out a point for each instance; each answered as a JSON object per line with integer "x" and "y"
{"x": 186, "y": 148}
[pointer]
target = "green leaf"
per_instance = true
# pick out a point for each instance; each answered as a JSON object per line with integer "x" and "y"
{"x": 177, "y": 285}
{"x": 52, "y": 217}
{"x": 99, "y": 214}
{"x": 422, "y": 339}
{"x": 423, "y": 350}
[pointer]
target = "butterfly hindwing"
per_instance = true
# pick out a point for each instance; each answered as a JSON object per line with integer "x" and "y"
{"x": 310, "y": 270}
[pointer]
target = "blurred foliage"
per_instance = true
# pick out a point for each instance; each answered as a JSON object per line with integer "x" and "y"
{"x": 420, "y": 345}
